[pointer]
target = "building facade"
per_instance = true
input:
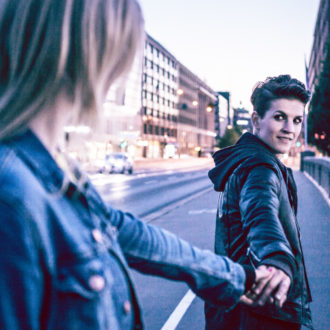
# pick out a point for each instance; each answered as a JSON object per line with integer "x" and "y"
{"x": 197, "y": 114}
{"x": 159, "y": 99}
{"x": 160, "y": 110}
{"x": 242, "y": 120}
{"x": 320, "y": 44}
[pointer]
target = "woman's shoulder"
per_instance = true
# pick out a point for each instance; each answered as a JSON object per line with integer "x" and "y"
{"x": 17, "y": 182}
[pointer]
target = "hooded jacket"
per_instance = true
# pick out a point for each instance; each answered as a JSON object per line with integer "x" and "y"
{"x": 256, "y": 222}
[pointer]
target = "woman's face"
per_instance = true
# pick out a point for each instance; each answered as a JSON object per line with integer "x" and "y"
{"x": 281, "y": 124}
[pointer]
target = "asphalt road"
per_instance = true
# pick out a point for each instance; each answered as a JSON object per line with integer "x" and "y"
{"x": 144, "y": 194}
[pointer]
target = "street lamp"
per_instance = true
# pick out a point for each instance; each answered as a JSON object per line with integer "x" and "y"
{"x": 179, "y": 91}
{"x": 195, "y": 103}
{"x": 209, "y": 108}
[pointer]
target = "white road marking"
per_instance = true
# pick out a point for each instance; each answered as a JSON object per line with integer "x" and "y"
{"x": 214, "y": 211}
{"x": 176, "y": 316}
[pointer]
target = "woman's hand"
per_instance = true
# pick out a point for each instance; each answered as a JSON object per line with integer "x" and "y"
{"x": 272, "y": 288}
{"x": 262, "y": 274}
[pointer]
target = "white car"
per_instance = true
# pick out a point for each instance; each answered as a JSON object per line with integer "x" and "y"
{"x": 117, "y": 162}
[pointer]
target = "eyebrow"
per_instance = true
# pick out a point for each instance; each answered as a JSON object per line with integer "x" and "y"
{"x": 283, "y": 113}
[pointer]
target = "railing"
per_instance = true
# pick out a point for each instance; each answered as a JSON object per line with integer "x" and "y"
{"x": 318, "y": 169}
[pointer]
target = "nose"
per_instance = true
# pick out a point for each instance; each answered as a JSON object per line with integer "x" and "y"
{"x": 288, "y": 126}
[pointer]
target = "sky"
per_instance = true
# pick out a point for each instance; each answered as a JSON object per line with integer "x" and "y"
{"x": 233, "y": 44}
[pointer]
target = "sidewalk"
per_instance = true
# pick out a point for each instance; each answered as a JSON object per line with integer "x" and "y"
{"x": 155, "y": 165}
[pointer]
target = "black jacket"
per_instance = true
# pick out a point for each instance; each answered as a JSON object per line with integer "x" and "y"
{"x": 256, "y": 222}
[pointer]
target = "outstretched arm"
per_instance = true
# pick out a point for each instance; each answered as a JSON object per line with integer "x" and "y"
{"x": 152, "y": 250}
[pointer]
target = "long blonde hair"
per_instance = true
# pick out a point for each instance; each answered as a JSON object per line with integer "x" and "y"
{"x": 71, "y": 48}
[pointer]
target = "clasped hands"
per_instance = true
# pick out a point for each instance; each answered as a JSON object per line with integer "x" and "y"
{"x": 271, "y": 286}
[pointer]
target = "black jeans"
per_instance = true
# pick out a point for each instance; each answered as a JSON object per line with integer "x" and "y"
{"x": 243, "y": 319}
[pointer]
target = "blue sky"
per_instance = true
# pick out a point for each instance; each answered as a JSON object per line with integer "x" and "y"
{"x": 233, "y": 44}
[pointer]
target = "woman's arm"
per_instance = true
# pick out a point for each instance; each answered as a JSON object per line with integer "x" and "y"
{"x": 152, "y": 250}
{"x": 259, "y": 207}
{"x": 268, "y": 245}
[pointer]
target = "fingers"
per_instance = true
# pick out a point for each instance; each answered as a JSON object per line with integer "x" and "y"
{"x": 282, "y": 291}
{"x": 263, "y": 275}
{"x": 262, "y": 272}
{"x": 275, "y": 289}
{"x": 247, "y": 301}
{"x": 271, "y": 285}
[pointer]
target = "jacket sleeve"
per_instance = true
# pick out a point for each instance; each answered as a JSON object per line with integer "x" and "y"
{"x": 20, "y": 279}
{"x": 155, "y": 251}
{"x": 259, "y": 206}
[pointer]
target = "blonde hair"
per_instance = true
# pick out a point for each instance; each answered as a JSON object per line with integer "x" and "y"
{"x": 71, "y": 48}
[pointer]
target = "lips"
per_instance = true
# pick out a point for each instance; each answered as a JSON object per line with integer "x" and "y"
{"x": 285, "y": 138}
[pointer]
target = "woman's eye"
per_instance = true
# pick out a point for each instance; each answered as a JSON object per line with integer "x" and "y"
{"x": 297, "y": 120}
{"x": 278, "y": 117}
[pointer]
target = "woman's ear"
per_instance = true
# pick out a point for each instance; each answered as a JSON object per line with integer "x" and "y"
{"x": 255, "y": 120}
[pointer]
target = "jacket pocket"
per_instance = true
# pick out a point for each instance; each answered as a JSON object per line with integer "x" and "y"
{"x": 80, "y": 302}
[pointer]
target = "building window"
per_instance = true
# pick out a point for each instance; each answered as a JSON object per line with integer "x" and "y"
{"x": 157, "y": 130}
{"x": 151, "y": 49}
{"x": 157, "y": 68}
{"x": 146, "y": 62}
{"x": 163, "y": 71}
{"x": 145, "y": 128}
{"x": 157, "y": 51}
{"x": 168, "y": 103}
{"x": 162, "y": 131}
{"x": 168, "y": 75}
{"x": 151, "y": 65}
{"x": 150, "y": 129}
{"x": 145, "y": 77}
{"x": 144, "y": 110}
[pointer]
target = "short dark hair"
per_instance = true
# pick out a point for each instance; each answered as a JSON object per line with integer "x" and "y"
{"x": 279, "y": 87}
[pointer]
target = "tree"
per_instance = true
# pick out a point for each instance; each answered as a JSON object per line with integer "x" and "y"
{"x": 229, "y": 138}
{"x": 319, "y": 115}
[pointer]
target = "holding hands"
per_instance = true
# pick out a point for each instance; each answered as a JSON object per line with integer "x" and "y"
{"x": 271, "y": 285}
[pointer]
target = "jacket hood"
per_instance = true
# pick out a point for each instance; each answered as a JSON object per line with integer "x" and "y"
{"x": 248, "y": 147}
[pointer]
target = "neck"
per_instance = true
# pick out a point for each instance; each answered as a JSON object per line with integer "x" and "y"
{"x": 49, "y": 126}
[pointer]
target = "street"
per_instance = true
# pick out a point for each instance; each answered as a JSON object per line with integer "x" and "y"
{"x": 184, "y": 202}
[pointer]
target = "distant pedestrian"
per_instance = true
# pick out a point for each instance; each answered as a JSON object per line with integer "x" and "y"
{"x": 65, "y": 255}
{"x": 256, "y": 223}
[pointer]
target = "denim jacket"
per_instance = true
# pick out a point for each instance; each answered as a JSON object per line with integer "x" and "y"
{"x": 65, "y": 255}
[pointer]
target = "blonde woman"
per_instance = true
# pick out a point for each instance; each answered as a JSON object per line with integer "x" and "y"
{"x": 65, "y": 255}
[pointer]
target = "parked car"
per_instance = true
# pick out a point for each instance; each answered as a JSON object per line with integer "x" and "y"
{"x": 117, "y": 162}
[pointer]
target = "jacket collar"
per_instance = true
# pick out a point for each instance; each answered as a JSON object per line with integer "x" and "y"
{"x": 34, "y": 154}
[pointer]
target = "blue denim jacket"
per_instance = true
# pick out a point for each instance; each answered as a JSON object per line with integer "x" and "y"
{"x": 65, "y": 255}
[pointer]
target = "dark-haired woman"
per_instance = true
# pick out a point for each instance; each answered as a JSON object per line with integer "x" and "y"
{"x": 256, "y": 222}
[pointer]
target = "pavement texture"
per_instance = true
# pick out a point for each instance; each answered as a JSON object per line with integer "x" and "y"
{"x": 151, "y": 165}
{"x": 314, "y": 221}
